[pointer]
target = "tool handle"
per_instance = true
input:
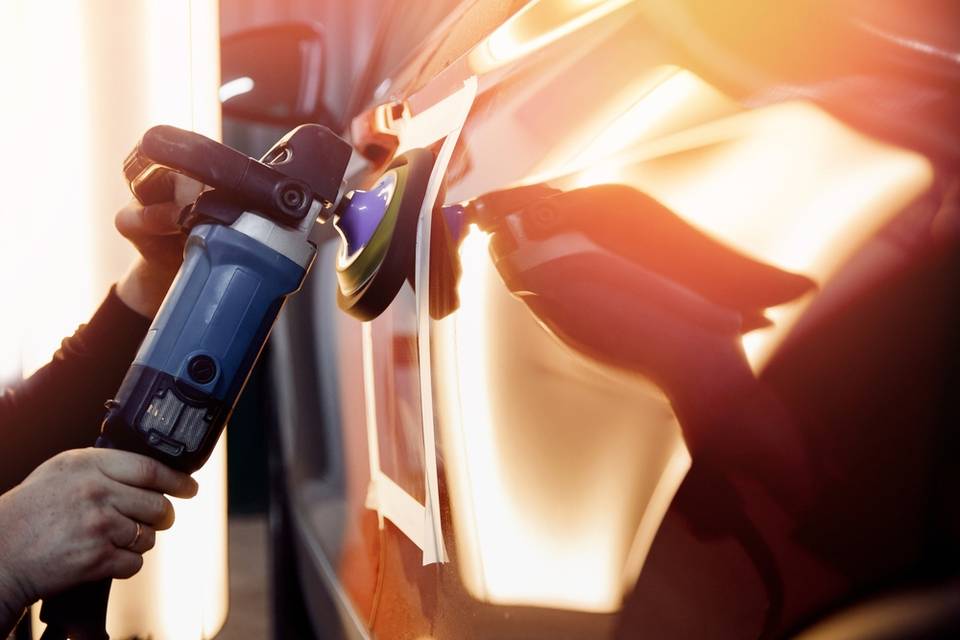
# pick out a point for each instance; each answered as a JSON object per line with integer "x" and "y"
{"x": 164, "y": 150}
{"x": 79, "y": 613}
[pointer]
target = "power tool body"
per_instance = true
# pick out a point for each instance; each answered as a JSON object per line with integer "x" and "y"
{"x": 240, "y": 263}
{"x": 248, "y": 249}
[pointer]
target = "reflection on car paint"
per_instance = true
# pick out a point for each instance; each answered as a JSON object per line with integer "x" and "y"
{"x": 559, "y": 468}
{"x": 574, "y": 376}
{"x": 705, "y": 171}
{"x": 535, "y": 26}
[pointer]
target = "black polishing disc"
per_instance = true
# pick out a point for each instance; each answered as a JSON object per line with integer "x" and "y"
{"x": 379, "y": 233}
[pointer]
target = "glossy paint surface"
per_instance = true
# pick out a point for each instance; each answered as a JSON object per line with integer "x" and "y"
{"x": 687, "y": 362}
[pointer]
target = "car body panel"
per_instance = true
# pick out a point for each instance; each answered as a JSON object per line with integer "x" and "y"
{"x": 779, "y": 255}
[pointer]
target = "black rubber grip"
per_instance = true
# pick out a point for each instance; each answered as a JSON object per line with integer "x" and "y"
{"x": 164, "y": 150}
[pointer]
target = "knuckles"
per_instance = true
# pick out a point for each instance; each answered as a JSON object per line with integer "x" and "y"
{"x": 99, "y": 524}
{"x": 91, "y": 491}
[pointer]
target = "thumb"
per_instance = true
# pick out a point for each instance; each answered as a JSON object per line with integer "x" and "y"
{"x": 160, "y": 219}
{"x": 134, "y": 221}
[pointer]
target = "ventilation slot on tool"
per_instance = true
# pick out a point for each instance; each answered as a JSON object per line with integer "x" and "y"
{"x": 171, "y": 425}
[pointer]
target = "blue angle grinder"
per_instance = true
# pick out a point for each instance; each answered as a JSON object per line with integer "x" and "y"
{"x": 248, "y": 249}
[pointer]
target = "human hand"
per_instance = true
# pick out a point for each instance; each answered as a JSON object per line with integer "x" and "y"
{"x": 153, "y": 230}
{"x": 74, "y": 520}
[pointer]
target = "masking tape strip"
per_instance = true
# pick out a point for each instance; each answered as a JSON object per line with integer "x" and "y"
{"x": 419, "y": 522}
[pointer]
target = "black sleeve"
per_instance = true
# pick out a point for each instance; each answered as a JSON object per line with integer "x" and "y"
{"x": 60, "y": 406}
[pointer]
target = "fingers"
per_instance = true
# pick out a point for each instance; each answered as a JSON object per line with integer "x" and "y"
{"x": 124, "y": 532}
{"x": 144, "y": 506}
{"x": 122, "y": 564}
{"x": 146, "y": 541}
{"x": 161, "y": 219}
{"x": 140, "y": 471}
{"x": 111, "y": 545}
{"x": 137, "y": 539}
{"x": 135, "y": 220}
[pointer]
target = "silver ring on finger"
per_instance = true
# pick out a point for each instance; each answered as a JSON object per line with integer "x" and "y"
{"x": 136, "y": 537}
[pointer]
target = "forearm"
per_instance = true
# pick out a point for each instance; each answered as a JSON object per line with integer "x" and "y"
{"x": 60, "y": 407}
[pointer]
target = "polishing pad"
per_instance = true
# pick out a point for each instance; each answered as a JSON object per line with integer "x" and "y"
{"x": 378, "y": 228}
